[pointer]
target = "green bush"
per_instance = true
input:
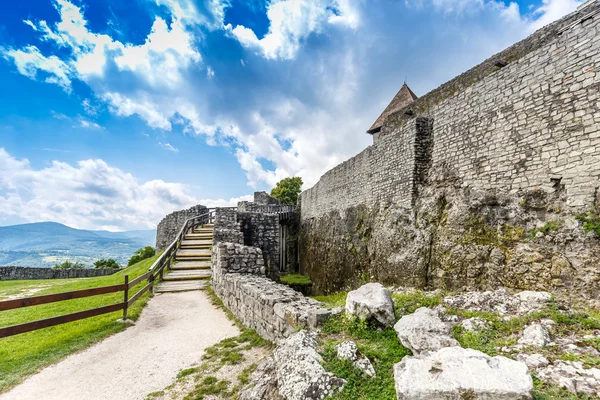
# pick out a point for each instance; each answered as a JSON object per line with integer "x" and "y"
{"x": 106, "y": 264}
{"x": 141, "y": 254}
{"x": 69, "y": 265}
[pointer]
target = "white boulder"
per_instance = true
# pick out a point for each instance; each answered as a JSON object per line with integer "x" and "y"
{"x": 454, "y": 373}
{"x": 424, "y": 330}
{"x": 372, "y": 302}
{"x": 535, "y": 335}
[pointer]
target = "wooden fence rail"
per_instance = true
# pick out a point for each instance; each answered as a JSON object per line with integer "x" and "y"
{"x": 77, "y": 294}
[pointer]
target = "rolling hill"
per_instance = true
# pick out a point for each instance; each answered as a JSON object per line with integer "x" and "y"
{"x": 43, "y": 244}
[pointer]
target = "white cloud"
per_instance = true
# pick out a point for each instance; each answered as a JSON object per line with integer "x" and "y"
{"x": 168, "y": 147}
{"x": 551, "y": 10}
{"x": 90, "y": 195}
{"x": 292, "y": 21}
{"x": 344, "y": 61}
{"x": 30, "y": 60}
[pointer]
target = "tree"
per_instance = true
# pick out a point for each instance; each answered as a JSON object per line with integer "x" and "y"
{"x": 141, "y": 254}
{"x": 106, "y": 264}
{"x": 287, "y": 190}
{"x": 69, "y": 265}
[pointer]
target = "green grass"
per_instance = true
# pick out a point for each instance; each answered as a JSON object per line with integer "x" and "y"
{"x": 24, "y": 354}
{"x": 333, "y": 300}
{"x": 380, "y": 346}
{"x": 295, "y": 279}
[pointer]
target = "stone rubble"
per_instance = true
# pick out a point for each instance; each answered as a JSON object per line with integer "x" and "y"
{"x": 454, "y": 373}
{"x": 474, "y": 324}
{"x": 371, "y": 302}
{"x": 535, "y": 335}
{"x": 348, "y": 351}
{"x": 300, "y": 375}
{"x": 533, "y": 360}
{"x": 424, "y": 330}
{"x": 500, "y": 302}
{"x": 572, "y": 376}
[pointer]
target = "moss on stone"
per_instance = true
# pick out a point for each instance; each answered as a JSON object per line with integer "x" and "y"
{"x": 295, "y": 279}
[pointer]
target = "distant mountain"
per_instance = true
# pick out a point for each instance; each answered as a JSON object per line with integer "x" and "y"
{"x": 43, "y": 244}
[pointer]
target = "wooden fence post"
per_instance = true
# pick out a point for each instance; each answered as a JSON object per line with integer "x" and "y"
{"x": 125, "y": 298}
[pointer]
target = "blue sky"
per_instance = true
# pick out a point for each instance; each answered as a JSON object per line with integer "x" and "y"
{"x": 114, "y": 113}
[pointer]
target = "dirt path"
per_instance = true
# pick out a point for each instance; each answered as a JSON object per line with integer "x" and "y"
{"x": 171, "y": 334}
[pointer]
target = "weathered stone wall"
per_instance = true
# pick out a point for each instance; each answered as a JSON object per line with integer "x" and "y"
{"x": 275, "y": 311}
{"x": 170, "y": 225}
{"x": 226, "y": 227}
{"x": 261, "y": 230}
{"x": 18, "y": 273}
{"x": 479, "y": 187}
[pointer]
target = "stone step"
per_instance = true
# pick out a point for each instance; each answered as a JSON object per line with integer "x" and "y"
{"x": 193, "y": 274}
{"x": 188, "y": 245}
{"x": 192, "y": 257}
{"x": 196, "y": 236}
{"x": 202, "y": 252}
{"x": 187, "y": 241}
{"x": 183, "y": 265}
{"x": 179, "y": 286}
{"x": 203, "y": 230}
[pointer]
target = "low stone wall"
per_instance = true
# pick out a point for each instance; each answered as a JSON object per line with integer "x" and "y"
{"x": 22, "y": 273}
{"x": 273, "y": 310}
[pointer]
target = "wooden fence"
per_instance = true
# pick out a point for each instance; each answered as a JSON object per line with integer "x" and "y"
{"x": 154, "y": 275}
{"x": 77, "y": 294}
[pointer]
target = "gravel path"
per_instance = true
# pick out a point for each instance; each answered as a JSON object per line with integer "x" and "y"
{"x": 171, "y": 334}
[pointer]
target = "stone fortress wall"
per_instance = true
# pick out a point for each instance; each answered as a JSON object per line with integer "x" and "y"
{"x": 506, "y": 148}
{"x": 170, "y": 225}
{"x": 239, "y": 279}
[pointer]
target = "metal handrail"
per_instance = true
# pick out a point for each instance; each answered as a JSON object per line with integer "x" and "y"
{"x": 169, "y": 253}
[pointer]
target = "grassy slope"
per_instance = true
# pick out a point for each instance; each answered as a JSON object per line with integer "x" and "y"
{"x": 24, "y": 354}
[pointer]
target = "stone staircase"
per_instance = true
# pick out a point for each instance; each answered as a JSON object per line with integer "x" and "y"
{"x": 191, "y": 269}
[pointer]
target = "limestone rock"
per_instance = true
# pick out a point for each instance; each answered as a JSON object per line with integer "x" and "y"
{"x": 572, "y": 376}
{"x": 500, "y": 301}
{"x": 264, "y": 382}
{"x": 372, "y": 302}
{"x": 474, "y": 324}
{"x": 530, "y": 300}
{"x": 454, "y": 373}
{"x": 535, "y": 335}
{"x": 348, "y": 351}
{"x": 533, "y": 361}
{"x": 423, "y": 330}
{"x": 300, "y": 375}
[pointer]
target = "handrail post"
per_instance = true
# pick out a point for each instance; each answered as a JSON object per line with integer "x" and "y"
{"x": 151, "y": 285}
{"x": 125, "y": 298}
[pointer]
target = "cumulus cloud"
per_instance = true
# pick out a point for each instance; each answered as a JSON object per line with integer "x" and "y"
{"x": 292, "y": 21}
{"x": 300, "y": 98}
{"x": 90, "y": 195}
